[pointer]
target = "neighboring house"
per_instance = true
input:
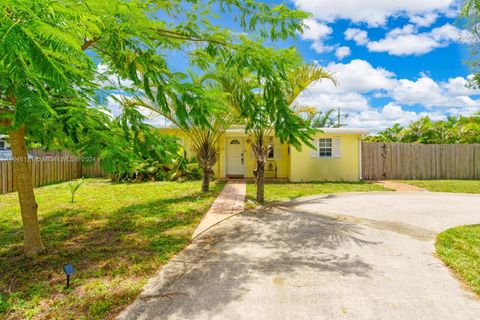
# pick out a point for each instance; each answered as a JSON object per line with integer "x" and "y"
{"x": 337, "y": 156}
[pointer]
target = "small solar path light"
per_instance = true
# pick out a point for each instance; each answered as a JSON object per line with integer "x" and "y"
{"x": 68, "y": 269}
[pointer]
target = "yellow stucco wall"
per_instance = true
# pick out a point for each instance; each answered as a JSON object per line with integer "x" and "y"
{"x": 304, "y": 167}
{"x": 291, "y": 164}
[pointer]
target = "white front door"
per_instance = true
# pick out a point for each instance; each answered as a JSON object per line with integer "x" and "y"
{"x": 235, "y": 157}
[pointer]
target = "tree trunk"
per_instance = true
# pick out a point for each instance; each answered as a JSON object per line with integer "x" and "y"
{"x": 28, "y": 206}
{"x": 205, "y": 179}
{"x": 260, "y": 180}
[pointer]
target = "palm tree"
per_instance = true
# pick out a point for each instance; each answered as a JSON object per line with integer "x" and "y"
{"x": 270, "y": 109}
{"x": 204, "y": 136}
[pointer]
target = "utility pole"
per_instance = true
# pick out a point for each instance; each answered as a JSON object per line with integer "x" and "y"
{"x": 338, "y": 118}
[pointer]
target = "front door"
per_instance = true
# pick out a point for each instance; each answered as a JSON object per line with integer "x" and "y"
{"x": 235, "y": 157}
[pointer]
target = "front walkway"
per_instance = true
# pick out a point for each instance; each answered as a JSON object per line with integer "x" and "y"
{"x": 230, "y": 202}
{"x": 398, "y": 186}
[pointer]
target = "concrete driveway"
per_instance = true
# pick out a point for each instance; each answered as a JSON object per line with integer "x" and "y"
{"x": 347, "y": 256}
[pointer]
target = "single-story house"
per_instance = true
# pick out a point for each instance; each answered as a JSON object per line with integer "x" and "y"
{"x": 337, "y": 156}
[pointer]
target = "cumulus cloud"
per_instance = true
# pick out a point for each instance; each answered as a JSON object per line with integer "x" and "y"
{"x": 381, "y": 118}
{"x": 359, "y": 82}
{"x": 374, "y": 12}
{"x": 359, "y": 36}
{"x": 422, "y": 91}
{"x": 408, "y": 41}
{"x": 425, "y": 20}
{"x": 406, "y": 44}
{"x": 342, "y": 52}
{"x": 317, "y": 33}
{"x": 459, "y": 86}
{"x": 357, "y": 76}
{"x": 428, "y": 93}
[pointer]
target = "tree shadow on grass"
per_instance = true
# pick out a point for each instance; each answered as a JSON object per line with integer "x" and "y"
{"x": 133, "y": 240}
{"x": 249, "y": 251}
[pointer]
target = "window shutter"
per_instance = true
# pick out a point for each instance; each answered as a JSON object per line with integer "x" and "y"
{"x": 277, "y": 148}
{"x": 337, "y": 148}
{"x": 314, "y": 153}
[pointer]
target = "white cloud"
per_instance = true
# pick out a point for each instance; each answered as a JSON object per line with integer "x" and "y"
{"x": 459, "y": 86}
{"x": 358, "y": 76}
{"x": 317, "y": 32}
{"x": 379, "y": 119}
{"x": 407, "y": 40}
{"x": 422, "y": 91}
{"x": 360, "y": 82}
{"x": 430, "y": 94}
{"x": 373, "y": 12}
{"x": 407, "y": 44}
{"x": 406, "y": 29}
{"x": 450, "y": 33}
{"x": 349, "y": 102}
{"x": 357, "y": 35}
{"x": 425, "y": 20}
{"x": 342, "y": 52}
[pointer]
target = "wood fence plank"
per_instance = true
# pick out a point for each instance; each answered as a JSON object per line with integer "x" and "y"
{"x": 417, "y": 161}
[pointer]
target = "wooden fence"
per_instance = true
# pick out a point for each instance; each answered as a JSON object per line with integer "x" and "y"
{"x": 420, "y": 161}
{"x": 46, "y": 170}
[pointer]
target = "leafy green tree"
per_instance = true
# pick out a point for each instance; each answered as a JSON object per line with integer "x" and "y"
{"x": 452, "y": 130}
{"x": 263, "y": 85}
{"x": 50, "y": 48}
{"x": 204, "y": 137}
{"x": 133, "y": 150}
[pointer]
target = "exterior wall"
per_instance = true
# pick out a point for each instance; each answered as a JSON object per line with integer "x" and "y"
{"x": 294, "y": 165}
{"x": 281, "y": 159}
{"x": 304, "y": 167}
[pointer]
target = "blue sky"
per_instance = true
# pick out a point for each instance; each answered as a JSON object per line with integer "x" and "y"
{"x": 395, "y": 60}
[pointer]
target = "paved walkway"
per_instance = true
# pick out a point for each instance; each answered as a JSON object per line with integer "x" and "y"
{"x": 398, "y": 186}
{"x": 230, "y": 201}
{"x": 348, "y": 256}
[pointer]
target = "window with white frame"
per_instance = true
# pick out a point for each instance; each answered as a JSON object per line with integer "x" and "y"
{"x": 325, "y": 147}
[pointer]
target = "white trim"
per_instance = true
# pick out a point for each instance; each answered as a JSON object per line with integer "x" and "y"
{"x": 224, "y": 169}
{"x": 242, "y": 139}
{"x": 240, "y": 130}
{"x": 360, "y": 173}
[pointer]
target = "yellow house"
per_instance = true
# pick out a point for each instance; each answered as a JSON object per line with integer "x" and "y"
{"x": 337, "y": 156}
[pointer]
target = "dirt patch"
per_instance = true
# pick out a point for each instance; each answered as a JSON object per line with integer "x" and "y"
{"x": 398, "y": 186}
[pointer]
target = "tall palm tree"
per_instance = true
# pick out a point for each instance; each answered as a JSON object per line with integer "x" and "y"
{"x": 261, "y": 123}
{"x": 204, "y": 136}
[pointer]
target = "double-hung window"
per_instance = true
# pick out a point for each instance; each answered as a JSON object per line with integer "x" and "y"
{"x": 325, "y": 147}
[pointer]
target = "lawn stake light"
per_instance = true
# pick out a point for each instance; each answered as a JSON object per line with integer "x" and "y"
{"x": 68, "y": 269}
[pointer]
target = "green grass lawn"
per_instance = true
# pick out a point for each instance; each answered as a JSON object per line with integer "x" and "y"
{"x": 459, "y": 248}
{"x": 116, "y": 236}
{"x": 288, "y": 191}
{"x": 462, "y": 186}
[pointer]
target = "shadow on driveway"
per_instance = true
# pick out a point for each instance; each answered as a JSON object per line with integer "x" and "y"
{"x": 253, "y": 253}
